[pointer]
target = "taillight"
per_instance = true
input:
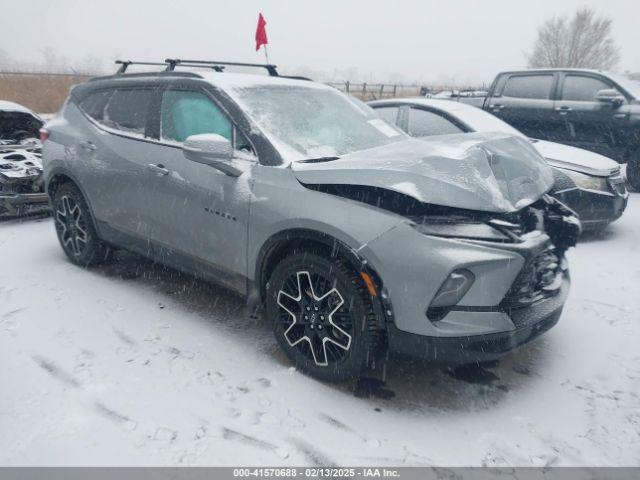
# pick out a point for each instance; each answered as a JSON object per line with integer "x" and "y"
{"x": 44, "y": 135}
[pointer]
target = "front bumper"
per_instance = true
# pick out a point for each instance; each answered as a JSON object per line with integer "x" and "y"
{"x": 18, "y": 204}
{"x": 596, "y": 209}
{"x": 530, "y": 321}
{"x": 497, "y": 313}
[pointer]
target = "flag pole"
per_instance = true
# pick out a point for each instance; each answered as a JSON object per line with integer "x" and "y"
{"x": 266, "y": 53}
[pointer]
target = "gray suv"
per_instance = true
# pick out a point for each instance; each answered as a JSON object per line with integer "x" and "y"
{"x": 356, "y": 238}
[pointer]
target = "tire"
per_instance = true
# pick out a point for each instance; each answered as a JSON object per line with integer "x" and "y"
{"x": 633, "y": 171}
{"x": 328, "y": 330}
{"x": 76, "y": 229}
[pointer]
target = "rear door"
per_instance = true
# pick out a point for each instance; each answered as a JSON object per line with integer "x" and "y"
{"x": 589, "y": 123}
{"x": 115, "y": 156}
{"x": 526, "y": 101}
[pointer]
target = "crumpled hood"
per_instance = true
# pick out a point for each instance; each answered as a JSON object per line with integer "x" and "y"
{"x": 492, "y": 172}
{"x": 577, "y": 159}
{"x": 18, "y": 163}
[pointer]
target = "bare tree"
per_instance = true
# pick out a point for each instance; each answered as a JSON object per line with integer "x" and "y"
{"x": 582, "y": 41}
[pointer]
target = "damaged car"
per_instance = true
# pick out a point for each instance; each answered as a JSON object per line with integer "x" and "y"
{"x": 587, "y": 182}
{"x": 18, "y": 125}
{"x": 356, "y": 238}
{"x": 21, "y": 182}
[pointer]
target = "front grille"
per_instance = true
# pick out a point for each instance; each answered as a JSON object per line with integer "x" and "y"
{"x": 540, "y": 278}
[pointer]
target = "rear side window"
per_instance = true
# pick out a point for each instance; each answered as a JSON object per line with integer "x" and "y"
{"x": 94, "y": 104}
{"x": 423, "y": 123}
{"x": 186, "y": 113}
{"x": 390, "y": 114}
{"x": 529, "y": 86}
{"x": 127, "y": 110}
{"x": 582, "y": 89}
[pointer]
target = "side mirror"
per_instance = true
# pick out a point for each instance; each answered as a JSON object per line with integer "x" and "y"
{"x": 610, "y": 95}
{"x": 211, "y": 149}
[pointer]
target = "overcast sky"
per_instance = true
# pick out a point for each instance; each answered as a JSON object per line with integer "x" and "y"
{"x": 455, "y": 41}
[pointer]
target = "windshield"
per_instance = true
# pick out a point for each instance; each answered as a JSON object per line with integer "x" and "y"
{"x": 311, "y": 122}
{"x": 631, "y": 86}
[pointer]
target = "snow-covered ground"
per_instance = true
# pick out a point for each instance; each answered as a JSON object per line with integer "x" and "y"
{"x": 131, "y": 365}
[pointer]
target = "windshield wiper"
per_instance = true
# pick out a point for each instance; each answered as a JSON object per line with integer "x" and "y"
{"x": 319, "y": 159}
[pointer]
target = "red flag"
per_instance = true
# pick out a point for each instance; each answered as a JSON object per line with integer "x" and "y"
{"x": 261, "y": 33}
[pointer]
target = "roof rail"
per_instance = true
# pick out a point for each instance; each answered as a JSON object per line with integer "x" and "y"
{"x": 172, "y": 63}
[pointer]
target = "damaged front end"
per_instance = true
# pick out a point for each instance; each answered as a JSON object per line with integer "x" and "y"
{"x": 21, "y": 183}
{"x": 489, "y": 266}
{"x": 522, "y": 231}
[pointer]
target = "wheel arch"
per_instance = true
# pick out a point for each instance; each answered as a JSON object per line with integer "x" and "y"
{"x": 60, "y": 176}
{"x": 278, "y": 245}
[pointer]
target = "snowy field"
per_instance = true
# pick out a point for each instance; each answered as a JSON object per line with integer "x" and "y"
{"x": 131, "y": 365}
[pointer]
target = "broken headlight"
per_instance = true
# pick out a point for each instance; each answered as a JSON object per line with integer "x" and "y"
{"x": 588, "y": 182}
{"x": 461, "y": 229}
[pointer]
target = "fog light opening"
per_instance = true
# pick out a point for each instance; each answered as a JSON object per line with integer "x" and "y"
{"x": 450, "y": 293}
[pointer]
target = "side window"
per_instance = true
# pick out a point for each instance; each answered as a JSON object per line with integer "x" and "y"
{"x": 186, "y": 113}
{"x": 582, "y": 89}
{"x": 529, "y": 86}
{"x": 423, "y": 123}
{"x": 390, "y": 114}
{"x": 94, "y": 104}
{"x": 127, "y": 109}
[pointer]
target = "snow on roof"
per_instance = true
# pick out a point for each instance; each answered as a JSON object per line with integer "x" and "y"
{"x": 444, "y": 104}
{"x": 7, "y": 106}
{"x": 234, "y": 81}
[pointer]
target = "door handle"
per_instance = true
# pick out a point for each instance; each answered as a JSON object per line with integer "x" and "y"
{"x": 496, "y": 106}
{"x": 87, "y": 145}
{"x": 159, "y": 169}
{"x": 563, "y": 110}
{"x": 619, "y": 116}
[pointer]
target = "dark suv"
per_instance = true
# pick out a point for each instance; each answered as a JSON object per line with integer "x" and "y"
{"x": 590, "y": 109}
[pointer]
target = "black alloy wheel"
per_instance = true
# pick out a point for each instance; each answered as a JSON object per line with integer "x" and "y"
{"x": 75, "y": 227}
{"x": 323, "y": 316}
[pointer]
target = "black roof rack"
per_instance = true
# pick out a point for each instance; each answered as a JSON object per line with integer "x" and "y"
{"x": 219, "y": 66}
{"x": 171, "y": 63}
{"x": 124, "y": 64}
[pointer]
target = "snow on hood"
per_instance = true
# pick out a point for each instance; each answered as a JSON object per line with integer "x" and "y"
{"x": 577, "y": 159}
{"x": 491, "y": 172}
{"x": 6, "y": 106}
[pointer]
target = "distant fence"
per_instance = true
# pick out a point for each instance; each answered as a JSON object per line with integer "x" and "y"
{"x": 39, "y": 91}
{"x": 376, "y": 91}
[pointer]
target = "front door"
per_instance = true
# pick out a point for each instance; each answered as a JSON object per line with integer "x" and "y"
{"x": 200, "y": 212}
{"x": 591, "y": 124}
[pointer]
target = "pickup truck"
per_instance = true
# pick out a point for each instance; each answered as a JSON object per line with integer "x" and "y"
{"x": 590, "y": 109}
